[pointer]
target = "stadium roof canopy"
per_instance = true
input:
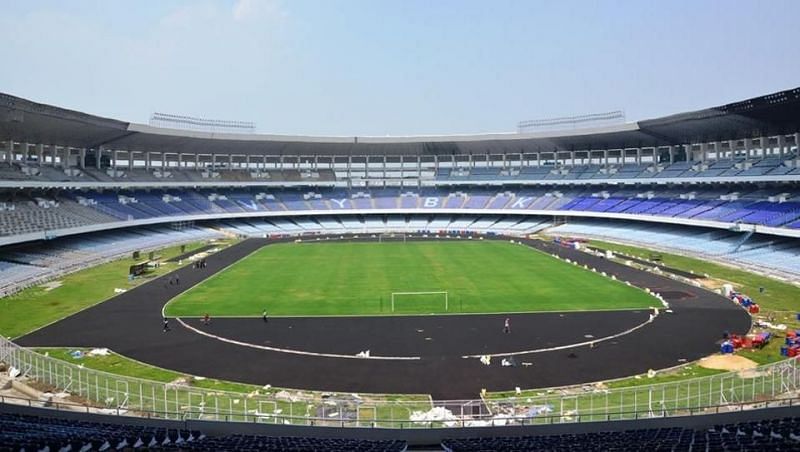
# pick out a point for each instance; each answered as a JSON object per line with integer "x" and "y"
{"x": 22, "y": 120}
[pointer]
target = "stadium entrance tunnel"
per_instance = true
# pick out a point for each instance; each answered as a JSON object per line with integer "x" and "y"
{"x": 131, "y": 324}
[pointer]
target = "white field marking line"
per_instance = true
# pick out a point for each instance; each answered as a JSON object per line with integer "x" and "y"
{"x": 447, "y": 314}
{"x": 562, "y": 347}
{"x": 115, "y": 259}
{"x": 567, "y": 311}
{"x": 427, "y": 397}
{"x": 591, "y": 270}
{"x": 295, "y": 352}
{"x": 164, "y": 308}
{"x": 568, "y": 346}
{"x": 703, "y": 257}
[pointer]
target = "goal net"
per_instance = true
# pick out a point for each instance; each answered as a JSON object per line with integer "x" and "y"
{"x": 392, "y": 237}
{"x": 417, "y": 302}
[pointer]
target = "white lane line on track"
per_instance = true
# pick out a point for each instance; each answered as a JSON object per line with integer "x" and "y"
{"x": 568, "y": 346}
{"x": 295, "y": 352}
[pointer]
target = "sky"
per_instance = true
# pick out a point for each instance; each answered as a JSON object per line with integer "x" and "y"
{"x": 399, "y": 67}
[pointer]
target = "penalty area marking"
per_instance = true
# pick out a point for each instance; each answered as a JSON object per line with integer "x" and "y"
{"x": 295, "y": 352}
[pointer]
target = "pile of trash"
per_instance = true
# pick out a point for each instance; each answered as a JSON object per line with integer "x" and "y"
{"x": 80, "y": 354}
{"x": 761, "y": 323}
{"x": 436, "y": 414}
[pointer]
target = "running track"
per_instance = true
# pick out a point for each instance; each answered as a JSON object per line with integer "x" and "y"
{"x": 130, "y": 324}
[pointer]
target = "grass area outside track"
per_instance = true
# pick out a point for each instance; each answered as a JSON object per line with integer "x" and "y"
{"x": 777, "y": 296}
{"x": 690, "y": 387}
{"x": 36, "y": 307}
{"x": 144, "y": 387}
{"x": 359, "y": 278}
{"x": 676, "y": 393}
{"x": 779, "y": 299}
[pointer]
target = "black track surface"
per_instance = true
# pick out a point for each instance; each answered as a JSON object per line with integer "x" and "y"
{"x": 427, "y": 336}
{"x": 130, "y": 324}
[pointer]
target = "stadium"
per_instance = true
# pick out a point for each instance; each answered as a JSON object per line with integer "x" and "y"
{"x": 388, "y": 273}
{"x": 429, "y": 285}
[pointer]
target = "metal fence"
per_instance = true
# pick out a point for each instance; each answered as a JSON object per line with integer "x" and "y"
{"x": 77, "y": 386}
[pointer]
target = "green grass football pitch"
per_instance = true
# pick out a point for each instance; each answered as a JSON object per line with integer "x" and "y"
{"x": 334, "y": 278}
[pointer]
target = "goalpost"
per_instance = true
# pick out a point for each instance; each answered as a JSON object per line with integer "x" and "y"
{"x": 411, "y": 294}
{"x": 395, "y": 237}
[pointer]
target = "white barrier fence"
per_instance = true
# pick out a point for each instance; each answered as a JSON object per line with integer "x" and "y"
{"x": 77, "y": 387}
